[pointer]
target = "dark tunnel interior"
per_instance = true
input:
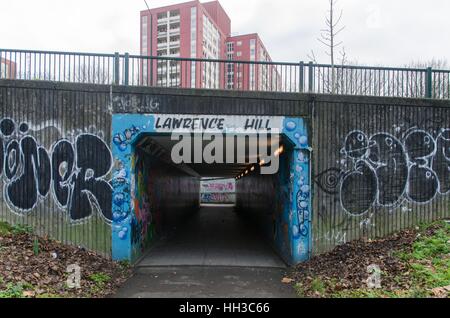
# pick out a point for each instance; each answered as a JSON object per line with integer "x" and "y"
{"x": 172, "y": 228}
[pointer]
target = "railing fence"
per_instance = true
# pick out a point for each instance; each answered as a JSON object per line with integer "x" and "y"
{"x": 135, "y": 70}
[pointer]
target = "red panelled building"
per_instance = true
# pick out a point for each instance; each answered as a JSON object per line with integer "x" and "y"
{"x": 202, "y": 31}
{"x": 7, "y": 69}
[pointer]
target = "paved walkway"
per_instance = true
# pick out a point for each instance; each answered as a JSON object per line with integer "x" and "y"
{"x": 215, "y": 254}
{"x": 214, "y": 237}
{"x": 206, "y": 282}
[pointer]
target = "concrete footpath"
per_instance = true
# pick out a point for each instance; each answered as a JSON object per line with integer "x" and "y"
{"x": 207, "y": 282}
{"x": 215, "y": 254}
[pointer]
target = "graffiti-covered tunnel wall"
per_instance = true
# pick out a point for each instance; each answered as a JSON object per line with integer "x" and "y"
{"x": 378, "y": 165}
{"x": 150, "y": 194}
{"x": 55, "y": 162}
{"x": 280, "y": 204}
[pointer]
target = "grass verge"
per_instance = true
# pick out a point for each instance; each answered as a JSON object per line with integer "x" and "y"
{"x": 411, "y": 264}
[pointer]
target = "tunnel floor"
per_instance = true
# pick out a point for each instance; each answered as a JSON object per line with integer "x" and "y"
{"x": 215, "y": 236}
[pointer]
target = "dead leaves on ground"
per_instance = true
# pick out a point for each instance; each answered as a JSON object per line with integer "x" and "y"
{"x": 46, "y": 273}
{"x": 346, "y": 267}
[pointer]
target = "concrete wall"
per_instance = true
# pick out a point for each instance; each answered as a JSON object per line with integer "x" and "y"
{"x": 164, "y": 197}
{"x": 263, "y": 200}
{"x": 280, "y": 205}
{"x": 379, "y": 164}
{"x": 55, "y": 161}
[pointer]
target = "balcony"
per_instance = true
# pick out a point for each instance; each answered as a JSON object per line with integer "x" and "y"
{"x": 163, "y": 21}
{"x": 175, "y": 19}
{"x": 162, "y": 34}
{"x": 162, "y": 45}
{"x": 162, "y": 69}
{"x": 175, "y": 31}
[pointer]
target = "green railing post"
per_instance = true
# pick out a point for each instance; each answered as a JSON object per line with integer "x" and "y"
{"x": 151, "y": 72}
{"x": 429, "y": 83}
{"x": 302, "y": 77}
{"x": 126, "y": 69}
{"x": 1, "y": 57}
{"x": 310, "y": 77}
{"x": 116, "y": 68}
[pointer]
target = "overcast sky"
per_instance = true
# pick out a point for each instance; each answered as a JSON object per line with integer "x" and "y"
{"x": 378, "y": 32}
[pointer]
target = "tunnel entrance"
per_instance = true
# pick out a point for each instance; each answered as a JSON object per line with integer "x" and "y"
{"x": 257, "y": 218}
{"x": 218, "y": 192}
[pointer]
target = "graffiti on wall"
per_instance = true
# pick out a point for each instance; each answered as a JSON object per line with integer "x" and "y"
{"x": 218, "y": 191}
{"x": 72, "y": 172}
{"x": 292, "y": 228}
{"x": 303, "y": 197}
{"x": 299, "y": 188}
{"x": 218, "y": 186}
{"x": 143, "y": 227}
{"x": 385, "y": 171}
{"x": 218, "y": 197}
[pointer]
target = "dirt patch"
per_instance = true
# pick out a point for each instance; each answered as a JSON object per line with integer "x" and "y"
{"x": 37, "y": 267}
{"x": 346, "y": 267}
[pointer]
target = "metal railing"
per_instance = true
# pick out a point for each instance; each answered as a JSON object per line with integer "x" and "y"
{"x": 135, "y": 70}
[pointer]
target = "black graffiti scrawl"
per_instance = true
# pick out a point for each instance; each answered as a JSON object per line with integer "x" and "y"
{"x": 24, "y": 189}
{"x": 385, "y": 171}
{"x": 74, "y": 173}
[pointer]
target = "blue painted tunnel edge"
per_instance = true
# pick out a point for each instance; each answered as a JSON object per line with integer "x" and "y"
{"x": 126, "y": 128}
{"x": 300, "y": 208}
{"x": 125, "y": 132}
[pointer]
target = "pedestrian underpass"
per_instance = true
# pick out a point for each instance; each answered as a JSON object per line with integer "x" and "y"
{"x": 157, "y": 214}
{"x": 90, "y": 165}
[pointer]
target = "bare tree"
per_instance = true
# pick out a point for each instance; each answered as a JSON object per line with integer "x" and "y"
{"x": 440, "y": 87}
{"x": 328, "y": 37}
{"x": 91, "y": 74}
{"x": 330, "y": 82}
{"x": 437, "y": 64}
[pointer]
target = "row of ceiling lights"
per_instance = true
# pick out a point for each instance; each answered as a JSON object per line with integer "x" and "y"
{"x": 277, "y": 153}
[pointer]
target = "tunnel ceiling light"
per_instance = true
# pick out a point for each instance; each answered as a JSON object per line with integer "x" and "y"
{"x": 252, "y": 168}
{"x": 279, "y": 151}
{"x": 262, "y": 162}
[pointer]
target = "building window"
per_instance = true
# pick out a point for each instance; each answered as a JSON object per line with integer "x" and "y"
{"x": 253, "y": 49}
{"x": 162, "y": 15}
{"x": 4, "y": 69}
{"x": 230, "y": 47}
{"x": 239, "y": 43}
{"x": 175, "y": 13}
{"x": 174, "y": 38}
{"x": 174, "y": 51}
{"x": 211, "y": 49}
{"x": 144, "y": 32}
{"x": 193, "y": 45}
{"x": 175, "y": 26}
{"x": 239, "y": 54}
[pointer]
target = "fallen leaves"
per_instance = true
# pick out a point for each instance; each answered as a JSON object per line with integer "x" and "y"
{"x": 441, "y": 292}
{"x": 345, "y": 268}
{"x": 28, "y": 293}
{"x": 46, "y": 273}
{"x": 287, "y": 280}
